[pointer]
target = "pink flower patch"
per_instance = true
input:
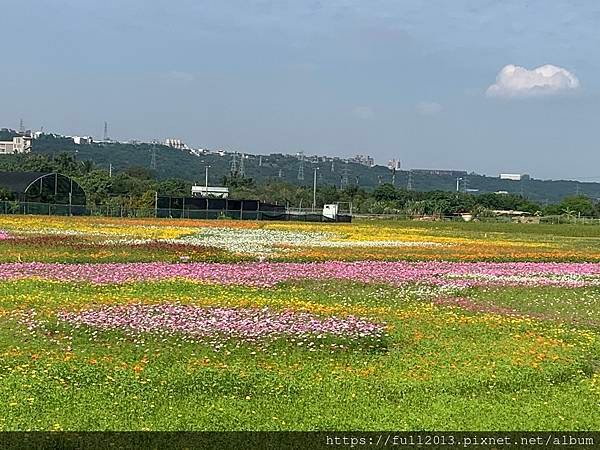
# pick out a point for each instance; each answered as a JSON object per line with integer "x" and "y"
{"x": 246, "y": 324}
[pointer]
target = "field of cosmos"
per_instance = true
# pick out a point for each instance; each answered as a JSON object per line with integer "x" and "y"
{"x": 158, "y": 324}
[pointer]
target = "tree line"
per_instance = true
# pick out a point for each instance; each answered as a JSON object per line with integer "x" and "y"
{"x": 135, "y": 187}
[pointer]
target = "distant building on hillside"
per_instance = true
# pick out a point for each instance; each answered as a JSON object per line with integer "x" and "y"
{"x": 511, "y": 176}
{"x": 82, "y": 140}
{"x": 176, "y": 143}
{"x": 19, "y": 144}
{"x": 364, "y": 160}
{"x": 394, "y": 164}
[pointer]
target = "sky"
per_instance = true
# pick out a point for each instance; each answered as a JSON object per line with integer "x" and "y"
{"x": 485, "y": 86}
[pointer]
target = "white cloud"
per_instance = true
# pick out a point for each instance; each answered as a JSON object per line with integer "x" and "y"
{"x": 429, "y": 108}
{"x": 516, "y": 81}
{"x": 363, "y": 112}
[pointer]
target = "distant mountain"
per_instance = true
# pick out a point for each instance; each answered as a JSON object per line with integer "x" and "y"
{"x": 174, "y": 163}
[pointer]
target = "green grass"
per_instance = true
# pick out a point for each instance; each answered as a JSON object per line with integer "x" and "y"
{"x": 441, "y": 367}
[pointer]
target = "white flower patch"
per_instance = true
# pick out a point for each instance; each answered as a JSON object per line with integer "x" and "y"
{"x": 254, "y": 241}
{"x": 261, "y": 242}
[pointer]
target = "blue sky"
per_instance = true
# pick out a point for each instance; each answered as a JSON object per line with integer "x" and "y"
{"x": 406, "y": 79}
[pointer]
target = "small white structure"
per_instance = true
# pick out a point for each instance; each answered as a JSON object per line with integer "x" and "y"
{"x": 82, "y": 140}
{"x": 330, "y": 211}
{"x": 511, "y": 176}
{"x": 19, "y": 144}
{"x": 210, "y": 191}
{"x": 394, "y": 164}
{"x": 176, "y": 143}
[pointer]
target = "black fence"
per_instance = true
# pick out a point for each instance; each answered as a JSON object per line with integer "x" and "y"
{"x": 214, "y": 208}
{"x": 173, "y": 207}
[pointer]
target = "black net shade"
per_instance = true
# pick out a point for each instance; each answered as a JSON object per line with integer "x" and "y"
{"x": 43, "y": 187}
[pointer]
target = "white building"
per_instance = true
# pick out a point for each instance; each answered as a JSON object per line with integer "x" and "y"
{"x": 394, "y": 164}
{"x": 19, "y": 144}
{"x": 511, "y": 176}
{"x": 365, "y": 160}
{"x": 81, "y": 140}
{"x": 176, "y": 143}
{"x": 210, "y": 191}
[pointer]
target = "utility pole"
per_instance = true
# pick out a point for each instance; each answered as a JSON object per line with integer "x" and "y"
{"x": 315, "y": 190}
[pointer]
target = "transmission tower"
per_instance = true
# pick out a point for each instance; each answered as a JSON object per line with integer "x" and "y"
{"x": 233, "y": 170}
{"x": 153, "y": 151}
{"x": 409, "y": 186}
{"x": 301, "y": 167}
{"x": 242, "y": 166}
{"x": 345, "y": 175}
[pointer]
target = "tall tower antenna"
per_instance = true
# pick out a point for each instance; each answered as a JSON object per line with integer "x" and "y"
{"x": 233, "y": 169}
{"x": 345, "y": 175}
{"x": 106, "y": 131}
{"x": 409, "y": 186}
{"x": 301, "y": 167}
{"x": 153, "y": 152}
{"x": 242, "y": 166}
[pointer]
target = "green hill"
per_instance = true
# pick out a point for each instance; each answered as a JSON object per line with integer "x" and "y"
{"x": 173, "y": 163}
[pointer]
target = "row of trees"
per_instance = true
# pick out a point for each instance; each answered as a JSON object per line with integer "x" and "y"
{"x": 135, "y": 187}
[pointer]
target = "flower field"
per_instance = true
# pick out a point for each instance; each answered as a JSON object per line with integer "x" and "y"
{"x": 157, "y": 324}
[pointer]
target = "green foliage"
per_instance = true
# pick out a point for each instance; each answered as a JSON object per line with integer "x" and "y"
{"x": 132, "y": 182}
